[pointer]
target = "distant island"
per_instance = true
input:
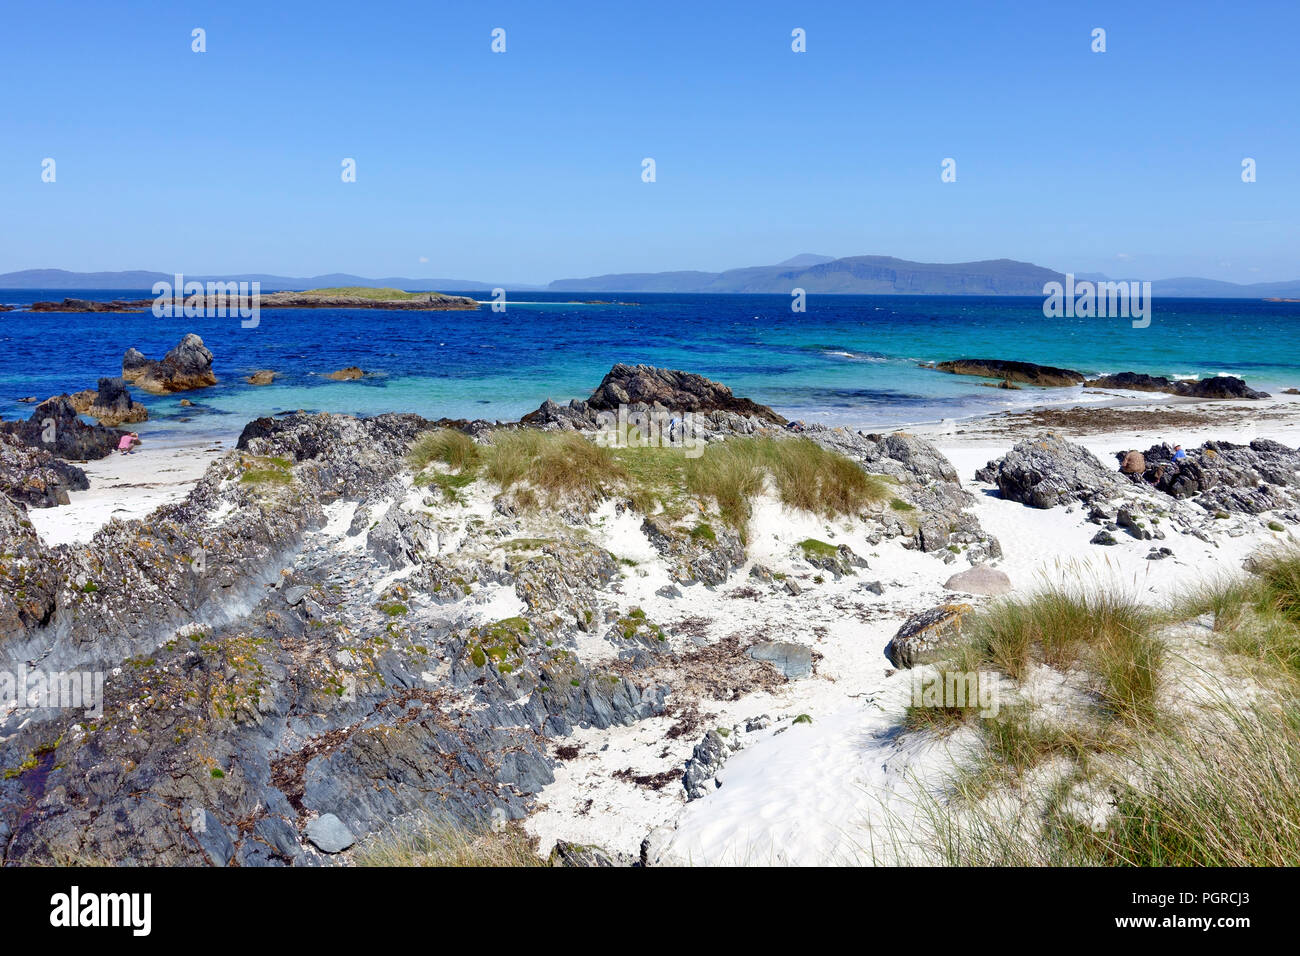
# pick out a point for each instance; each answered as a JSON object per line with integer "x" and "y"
{"x": 354, "y": 297}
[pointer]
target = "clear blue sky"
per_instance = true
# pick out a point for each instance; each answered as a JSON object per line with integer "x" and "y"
{"x": 526, "y": 166}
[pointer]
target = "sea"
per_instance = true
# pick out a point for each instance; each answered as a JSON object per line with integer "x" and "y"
{"x": 846, "y": 360}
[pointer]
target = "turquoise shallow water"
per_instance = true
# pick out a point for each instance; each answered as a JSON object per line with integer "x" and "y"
{"x": 847, "y": 360}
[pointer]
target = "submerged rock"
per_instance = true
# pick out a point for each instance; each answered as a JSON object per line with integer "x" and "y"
{"x": 1217, "y": 387}
{"x": 1008, "y": 371}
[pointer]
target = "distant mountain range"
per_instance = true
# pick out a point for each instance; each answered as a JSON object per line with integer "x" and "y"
{"x": 856, "y": 275}
{"x": 816, "y": 274}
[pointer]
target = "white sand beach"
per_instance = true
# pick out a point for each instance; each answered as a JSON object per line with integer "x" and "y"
{"x": 126, "y": 487}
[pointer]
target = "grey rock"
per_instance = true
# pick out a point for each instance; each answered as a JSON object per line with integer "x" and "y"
{"x": 707, "y": 759}
{"x": 794, "y": 661}
{"x": 925, "y": 633}
{"x": 329, "y": 834}
{"x": 574, "y": 854}
{"x": 1048, "y": 471}
{"x": 979, "y": 580}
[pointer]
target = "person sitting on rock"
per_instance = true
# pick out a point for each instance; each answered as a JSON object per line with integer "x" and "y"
{"x": 1179, "y": 454}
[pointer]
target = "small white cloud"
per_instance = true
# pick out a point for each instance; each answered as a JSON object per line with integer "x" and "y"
{"x": 424, "y": 258}
{"x": 1123, "y": 255}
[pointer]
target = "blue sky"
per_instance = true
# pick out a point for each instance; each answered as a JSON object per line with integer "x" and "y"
{"x": 526, "y": 166}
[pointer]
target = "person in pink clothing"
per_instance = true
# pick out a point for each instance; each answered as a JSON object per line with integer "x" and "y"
{"x": 127, "y": 442}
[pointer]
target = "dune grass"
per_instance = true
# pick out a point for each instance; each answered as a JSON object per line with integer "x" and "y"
{"x": 1102, "y": 629}
{"x": 555, "y": 464}
{"x": 1214, "y": 785}
{"x": 551, "y": 466}
{"x": 1219, "y": 791}
{"x": 1257, "y": 614}
{"x": 435, "y": 841}
{"x": 803, "y": 474}
{"x": 446, "y": 446}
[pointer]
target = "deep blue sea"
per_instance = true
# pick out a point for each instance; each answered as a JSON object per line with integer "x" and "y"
{"x": 846, "y": 360}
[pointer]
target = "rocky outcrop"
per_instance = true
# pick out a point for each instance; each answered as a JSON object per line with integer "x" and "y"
{"x": 923, "y": 635}
{"x": 1217, "y": 387}
{"x": 188, "y": 366}
{"x": 1047, "y": 376}
{"x": 34, "y": 476}
{"x": 261, "y": 377}
{"x": 349, "y": 374}
{"x": 86, "y": 305}
{"x": 110, "y": 404}
{"x": 56, "y": 427}
{"x": 1222, "y": 476}
{"x": 29, "y": 581}
{"x": 645, "y": 387}
{"x": 931, "y": 508}
{"x": 1048, "y": 471}
{"x": 264, "y": 706}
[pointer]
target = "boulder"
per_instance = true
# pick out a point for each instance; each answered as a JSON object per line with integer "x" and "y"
{"x": 329, "y": 834}
{"x": 643, "y": 387}
{"x": 925, "y": 633}
{"x": 261, "y": 377}
{"x": 110, "y": 404}
{"x": 575, "y": 854}
{"x": 706, "y": 760}
{"x": 187, "y": 366}
{"x": 1048, "y": 471}
{"x": 980, "y": 579}
{"x": 30, "y": 600}
{"x": 1132, "y": 463}
{"x": 1223, "y": 476}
